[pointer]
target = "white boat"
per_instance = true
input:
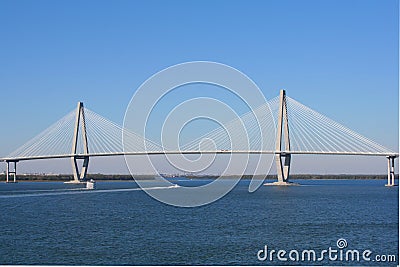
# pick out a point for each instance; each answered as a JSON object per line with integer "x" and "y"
{"x": 90, "y": 185}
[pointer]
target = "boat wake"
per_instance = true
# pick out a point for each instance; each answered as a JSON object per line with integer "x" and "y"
{"x": 75, "y": 191}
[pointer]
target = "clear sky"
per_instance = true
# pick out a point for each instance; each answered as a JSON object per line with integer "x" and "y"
{"x": 338, "y": 57}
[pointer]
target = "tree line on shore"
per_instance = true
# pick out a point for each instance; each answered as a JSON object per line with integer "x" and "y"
{"x": 126, "y": 177}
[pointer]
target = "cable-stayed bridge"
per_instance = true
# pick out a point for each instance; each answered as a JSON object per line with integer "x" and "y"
{"x": 82, "y": 134}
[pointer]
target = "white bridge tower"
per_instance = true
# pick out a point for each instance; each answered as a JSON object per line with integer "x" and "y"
{"x": 80, "y": 124}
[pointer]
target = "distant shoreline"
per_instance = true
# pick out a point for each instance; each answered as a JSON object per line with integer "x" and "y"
{"x": 123, "y": 177}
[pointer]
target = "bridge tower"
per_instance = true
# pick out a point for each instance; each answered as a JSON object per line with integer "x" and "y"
{"x": 80, "y": 124}
{"x": 282, "y": 157}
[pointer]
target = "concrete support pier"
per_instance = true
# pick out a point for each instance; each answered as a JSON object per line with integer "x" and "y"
{"x": 11, "y": 172}
{"x": 391, "y": 174}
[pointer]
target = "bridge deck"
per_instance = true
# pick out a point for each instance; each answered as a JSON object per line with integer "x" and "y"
{"x": 194, "y": 152}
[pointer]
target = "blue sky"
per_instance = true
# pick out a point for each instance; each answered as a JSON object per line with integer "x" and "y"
{"x": 338, "y": 57}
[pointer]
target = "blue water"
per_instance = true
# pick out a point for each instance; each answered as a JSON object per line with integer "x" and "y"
{"x": 118, "y": 224}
